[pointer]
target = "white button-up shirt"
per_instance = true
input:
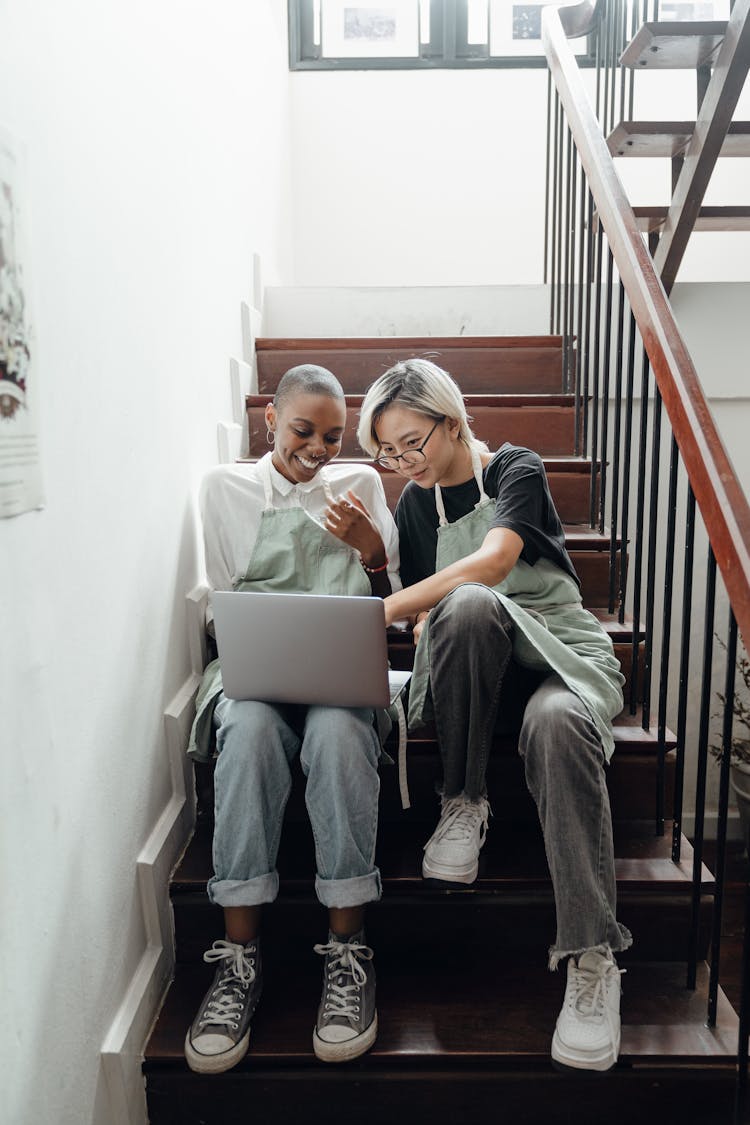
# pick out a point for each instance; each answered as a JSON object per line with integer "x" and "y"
{"x": 232, "y": 501}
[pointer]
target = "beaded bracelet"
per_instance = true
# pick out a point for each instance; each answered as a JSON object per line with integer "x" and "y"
{"x": 374, "y": 569}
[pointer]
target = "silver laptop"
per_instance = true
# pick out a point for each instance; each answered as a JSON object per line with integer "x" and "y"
{"x": 304, "y": 648}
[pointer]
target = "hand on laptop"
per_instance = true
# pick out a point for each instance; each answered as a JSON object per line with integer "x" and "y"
{"x": 348, "y": 519}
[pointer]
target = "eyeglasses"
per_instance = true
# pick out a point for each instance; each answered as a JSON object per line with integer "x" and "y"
{"x": 412, "y": 456}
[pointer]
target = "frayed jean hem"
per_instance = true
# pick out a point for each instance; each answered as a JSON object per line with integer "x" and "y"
{"x": 244, "y": 892}
{"x": 605, "y": 948}
{"x": 343, "y": 893}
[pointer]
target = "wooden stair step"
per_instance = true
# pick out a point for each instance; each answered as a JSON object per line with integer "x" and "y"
{"x": 478, "y": 363}
{"x": 401, "y": 645}
{"x": 675, "y": 44}
{"x": 618, "y": 631}
{"x": 724, "y": 218}
{"x": 510, "y": 903}
{"x": 631, "y": 776}
{"x": 671, "y": 138}
{"x": 582, "y": 537}
{"x": 510, "y": 908}
{"x": 512, "y": 860}
{"x": 533, "y": 1094}
{"x": 454, "y": 1012}
{"x": 545, "y": 423}
{"x": 629, "y": 735}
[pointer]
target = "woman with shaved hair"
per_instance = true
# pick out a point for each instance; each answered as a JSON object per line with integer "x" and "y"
{"x": 294, "y": 522}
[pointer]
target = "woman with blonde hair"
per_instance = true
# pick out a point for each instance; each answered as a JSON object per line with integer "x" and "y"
{"x": 498, "y": 620}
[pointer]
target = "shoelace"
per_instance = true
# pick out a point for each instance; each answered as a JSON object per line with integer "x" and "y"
{"x": 345, "y": 957}
{"x": 589, "y": 993}
{"x": 238, "y": 974}
{"x": 458, "y": 820}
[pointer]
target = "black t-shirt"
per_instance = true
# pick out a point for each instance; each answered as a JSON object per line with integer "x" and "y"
{"x": 516, "y": 479}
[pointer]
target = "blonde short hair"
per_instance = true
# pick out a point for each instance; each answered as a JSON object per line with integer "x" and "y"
{"x": 419, "y": 385}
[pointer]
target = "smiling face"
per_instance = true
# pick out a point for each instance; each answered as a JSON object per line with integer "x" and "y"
{"x": 447, "y": 460}
{"x": 308, "y": 429}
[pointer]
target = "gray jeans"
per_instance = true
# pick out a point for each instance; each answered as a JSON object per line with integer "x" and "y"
{"x": 470, "y": 655}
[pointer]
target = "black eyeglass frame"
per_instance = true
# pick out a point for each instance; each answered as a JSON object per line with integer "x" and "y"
{"x": 393, "y": 460}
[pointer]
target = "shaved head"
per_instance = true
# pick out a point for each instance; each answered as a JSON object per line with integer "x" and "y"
{"x": 307, "y": 379}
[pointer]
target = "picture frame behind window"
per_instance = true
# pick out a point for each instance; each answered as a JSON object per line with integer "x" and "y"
{"x": 413, "y": 34}
{"x": 515, "y": 29}
{"x": 368, "y": 29}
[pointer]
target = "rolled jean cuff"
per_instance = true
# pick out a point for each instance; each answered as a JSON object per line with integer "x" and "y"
{"x": 342, "y": 893}
{"x": 244, "y": 892}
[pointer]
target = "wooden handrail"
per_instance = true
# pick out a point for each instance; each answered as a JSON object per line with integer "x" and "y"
{"x": 718, "y": 493}
{"x": 581, "y": 19}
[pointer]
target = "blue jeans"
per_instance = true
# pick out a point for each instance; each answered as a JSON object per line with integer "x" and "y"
{"x": 339, "y": 751}
{"x": 470, "y": 657}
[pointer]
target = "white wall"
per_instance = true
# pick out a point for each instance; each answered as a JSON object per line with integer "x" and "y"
{"x": 437, "y": 177}
{"x": 157, "y": 152}
{"x": 410, "y": 177}
{"x": 446, "y": 310}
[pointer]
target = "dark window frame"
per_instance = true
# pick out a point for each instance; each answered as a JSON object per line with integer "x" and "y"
{"x": 448, "y": 48}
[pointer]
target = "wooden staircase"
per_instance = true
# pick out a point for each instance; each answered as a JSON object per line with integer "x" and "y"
{"x": 719, "y": 53}
{"x": 466, "y": 1004}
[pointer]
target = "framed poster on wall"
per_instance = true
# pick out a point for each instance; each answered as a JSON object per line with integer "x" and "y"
{"x": 20, "y": 477}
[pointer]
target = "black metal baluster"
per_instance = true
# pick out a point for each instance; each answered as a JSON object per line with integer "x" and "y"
{"x": 687, "y": 615}
{"x": 587, "y": 325}
{"x": 614, "y": 509}
{"x": 546, "y": 176}
{"x": 553, "y": 222}
{"x": 623, "y": 69}
{"x": 627, "y": 453}
{"x": 700, "y": 781}
{"x": 653, "y": 519}
{"x": 605, "y": 65}
{"x": 595, "y": 467}
{"x": 566, "y": 259}
{"x": 559, "y": 218}
{"x": 666, "y": 637}
{"x": 721, "y": 830}
{"x": 613, "y": 65}
{"x": 633, "y": 29}
{"x": 599, "y": 55}
{"x": 576, "y": 353}
{"x": 571, "y": 275}
{"x": 639, "y": 519}
{"x": 740, "y": 1098}
{"x": 607, "y": 361}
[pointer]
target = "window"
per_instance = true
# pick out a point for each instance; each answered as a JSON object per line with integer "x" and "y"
{"x": 412, "y": 34}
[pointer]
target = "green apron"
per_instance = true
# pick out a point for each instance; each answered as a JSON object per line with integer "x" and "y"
{"x": 553, "y": 631}
{"x": 292, "y": 554}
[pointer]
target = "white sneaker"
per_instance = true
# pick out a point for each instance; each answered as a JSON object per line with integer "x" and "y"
{"x": 587, "y": 1034}
{"x": 452, "y": 851}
